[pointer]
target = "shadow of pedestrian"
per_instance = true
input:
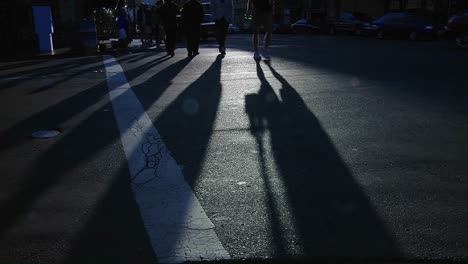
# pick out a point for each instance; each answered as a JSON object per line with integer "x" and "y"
{"x": 187, "y": 123}
{"x": 333, "y": 217}
{"x": 72, "y": 153}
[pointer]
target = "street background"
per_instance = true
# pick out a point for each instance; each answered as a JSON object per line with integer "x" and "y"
{"x": 340, "y": 147}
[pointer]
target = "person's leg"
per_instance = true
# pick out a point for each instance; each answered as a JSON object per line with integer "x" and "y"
{"x": 149, "y": 40}
{"x": 224, "y": 30}
{"x": 156, "y": 35}
{"x": 142, "y": 34}
{"x": 268, "y": 24}
{"x": 188, "y": 41}
{"x": 218, "y": 27}
{"x": 196, "y": 39}
{"x": 169, "y": 36}
{"x": 173, "y": 39}
{"x": 256, "y": 23}
{"x": 255, "y": 29}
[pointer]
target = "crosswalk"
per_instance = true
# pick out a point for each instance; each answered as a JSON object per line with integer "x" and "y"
{"x": 177, "y": 225}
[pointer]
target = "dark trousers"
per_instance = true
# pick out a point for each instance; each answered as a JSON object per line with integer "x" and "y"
{"x": 221, "y": 31}
{"x": 193, "y": 38}
{"x": 156, "y": 33}
{"x": 171, "y": 37}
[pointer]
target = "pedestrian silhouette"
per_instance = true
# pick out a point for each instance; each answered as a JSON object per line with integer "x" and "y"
{"x": 169, "y": 13}
{"x": 192, "y": 16}
{"x": 222, "y": 11}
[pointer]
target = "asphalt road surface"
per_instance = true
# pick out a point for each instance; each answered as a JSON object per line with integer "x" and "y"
{"x": 339, "y": 148}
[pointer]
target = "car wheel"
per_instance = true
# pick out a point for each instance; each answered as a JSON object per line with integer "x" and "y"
{"x": 413, "y": 36}
{"x": 380, "y": 34}
{"x": 332, "y": 30}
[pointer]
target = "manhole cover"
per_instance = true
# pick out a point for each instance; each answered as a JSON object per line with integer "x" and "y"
{"x": 45, "y": 133}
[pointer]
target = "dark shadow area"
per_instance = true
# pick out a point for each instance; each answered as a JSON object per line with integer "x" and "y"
{"x": 66, "y": 78}
{"x": 38, "y": 72}
{"x": 68, "y": 150}
{"x": 115, "y": 232}
{"x": 254, "y": 106}
{"x": 429, "y": 71}
{"x": 134, "y": 73}
{"x": 11, "y": 66}
{"x": 186, "y": 125}
{"x": 54, "y": 116}
{"x": 96, "y": 68}
{"x": 144, "y": 55}
{"x": 332, "y": 214}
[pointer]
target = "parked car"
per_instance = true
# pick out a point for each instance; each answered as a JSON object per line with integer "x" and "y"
{"x": 233, "y": 29}
{"x": 208, "y": 27}
{"x": 411, "y": 24}
{"x": 457, "y": 27}
{"x": 352, "y": 22}
{"x": 304, "y": 26}
{"x": 278, "y": 28}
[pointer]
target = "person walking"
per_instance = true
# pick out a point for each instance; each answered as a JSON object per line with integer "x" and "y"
{"x": 192, "y": 16}
{"x": 121, "y": 19}
{"x": 144, "y": 24}
{"x": 155, "y": 25}
{"x": 262, "y": 15}
{"x": 222, "y": 11}
{"x": 140, "y": 22}
{"x": 169, "y": 12}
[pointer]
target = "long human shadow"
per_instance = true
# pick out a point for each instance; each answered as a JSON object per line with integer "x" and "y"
{"x": 332, "y": 214}
{"x": 402, "y": 67}
{"x": 67, "y": 150}
{"x": 187, "y": 124}
{"x": 54, "y": 117}
{"x": 115, "y": 232}
{"x": 10, "y": 66}
{"x": 18, "y": 77}
{"x": 38, "y": 72}
{"x": 131, "y": 246}
{"x": 255, "y": 108}
{"x": 143, "y": 67}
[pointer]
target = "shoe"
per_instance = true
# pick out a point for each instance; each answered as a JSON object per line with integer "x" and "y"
{"x": 189, "y": 54}
{"x": 196, "y": 53}
{"x": 266, "y": 54}
{"x": 222, "y": 50}
{"x": 257, "y": 56}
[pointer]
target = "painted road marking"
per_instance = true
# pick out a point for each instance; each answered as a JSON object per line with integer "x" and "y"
{"x": 177, "y": 225}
